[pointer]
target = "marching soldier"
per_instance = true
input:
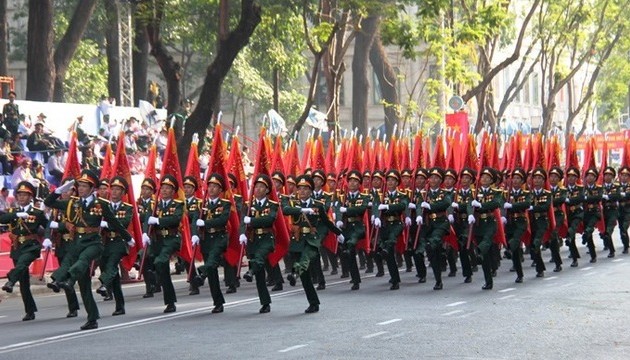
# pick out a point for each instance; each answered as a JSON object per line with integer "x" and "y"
{"x": 559, "y": 195}
{"x": 541, "y": 201}
{"x": 437, "y": 225}
{"x": 319, "y": 179}
{"x": 488, "y": 199}
{"x": 115, "y": 248}
{"x": 592, "y": 212}
{"x": 407, "y": 187}
{"x": 230, "y": 276}
{"x": 516, "y": 205}
{"x": 332, "y": 258}
{"x": 85, "y": 214}
{"x": 461, "y": 210}
{"x": 450, "y": 179}
{"x": 64, "y": 244}
{"x": 274, "y": 274}
{"x": 192, "y": 206}
{"x": 575, "y": 212}
{"x": 146, "y": 204}
{"x": 24, "y": 225}
{"x": 165, "y": 239}
{"x": 213, "y": 225}
{"x": 624, "y": 206}
{"x": 610, "y": 197}
{"x": 415, "y": 245}
{"x": 388, "y": 215}
{"x": 376, "y": 193}
{"x": 259, "y": 220}
{"x": 350, "y": 218}
{"x": 308, "y": 216}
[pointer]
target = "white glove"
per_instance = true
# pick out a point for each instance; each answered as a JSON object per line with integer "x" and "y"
{"x": 153, "y": 220}
{"x": 65, "y": 187}
{"x": 372, "y": 219}
{"x": 54, "y": 225}
{"x": 370, "y": 204}
{"x": 307, "y": 211}
{"x": 585, "y": 197}
{"x": 475, "y": 203}
{"x": 451, "y": 219}
{"x": 247, "y": 220}
{"x": 146, "y": 240}
{"x": 377, "y": 222}
{"x": 412, "y": 206}
{"x": 503, "y": 220}
{"x": 194, "y": 240}
{"x": 531, "y": 208}
{"x": 343, "y": 209}
{"x": 341, "y": 239}
{"x": 383, "y": 207}
{"x": 425, "y": 205}
{"x": 419, "y": 220}
{"x": 47, "y": 244}
{"x": 408, "y": 221}
{"x": 334, "y": 216}
{"x": 471, "y": 219}
{"x": 339, "y": 224}
{"x": 104, "y": 224}
{"x": 200, "y": 222}
{"x": 242, "y": 239}
{"x": 567, "y": 200}
{"x": 131, "y": 242}
{"x": 22, "y": 215}
{"x": 507, "y": 205}
{"x": 605, "y": 197}
{"x": 454, "y": 205}
{"x": 623, "y": 194}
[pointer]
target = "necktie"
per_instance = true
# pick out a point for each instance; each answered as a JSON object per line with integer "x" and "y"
{"x": 85, "y": 203}
{"x": 304, "y": 204}
{"x": 21, "y": 209}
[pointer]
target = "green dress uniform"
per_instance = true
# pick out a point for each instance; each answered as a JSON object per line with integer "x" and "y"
{"x": 592, "y": 214}
{"x": 376, "y": 196}
{"x": 193, "y": 207}
{"x": 517, "y": 225}
{"x": 11, "y": 116}
{"x": 486, "y": 227}
{"x": 450, "y": 253}
{"x": 84, "y": 216}
{"x": 261, "y": 242}
{"x": 306, "y": 241}
{"x": 391, "y": 228}
{"x": 114, "y": 249}
{"x": 463, "y": 197}
{"x": 145, "y": 209}
{"x": 559, "y": 195}
{"x": 541, "y": 201}
{"x": 575, "y": 216}
{"x": 322, "y": 231}
{"x": 165, "y": 241}
{"x": 214, "y": 242}
{"x": 437, "y": 227}
{"x": 353, "y": 229}
{"x": 230, "y": 276}
{"x": 611, "y": 214}
{"x": 25, "y": 248}
{"x": 417, "y": 248}
{"x": 64, "y": 244}
{"x": 624, "y": 214}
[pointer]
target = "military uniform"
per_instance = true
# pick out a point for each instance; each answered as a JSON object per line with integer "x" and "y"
{"x": 575, "y": 214}
{"x": 24, "y": 224}
{"x": 462, "y": 198}
{"x": 417, "y": 240}
{"x": 610, "y": 198}
{"x": 541, "y": 201}
{"x": 11, "y": 116}
{"x": 559, "y": 195}
{"x": 230, "y": 276}
{"x": 624, "y": 210}
{"x": 592, "y": 214}
{"x": 145, "y": 209}
{"x": 376, "y": 198}
{"x": 192, "y": 207}
{"x": 322, "y": 231}
{"x": 517, "y": 223}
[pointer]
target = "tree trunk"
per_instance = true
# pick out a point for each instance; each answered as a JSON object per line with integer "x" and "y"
{"x": 360, "y": 82}
{"x": 229, "y": 48}
{"x": 140, "y": 61}
{"x": 4, "y": 40}
{"x": 69, "y": 42}
{"x": 40, "y": 66}
{"x": 113, "y": 61}
{"x": 388, "y": 82}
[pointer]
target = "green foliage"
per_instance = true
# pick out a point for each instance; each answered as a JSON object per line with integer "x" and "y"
{"x": 86, "y": 78}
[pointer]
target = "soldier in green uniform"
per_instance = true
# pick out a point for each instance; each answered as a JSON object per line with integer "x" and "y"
{"x": 319, "y": 179}
{"x": 437, "y": 225}
{"x": 416, "y": 242}
{"x": 388, "y": 214}
{"x": 461, "y": 209}
{"x": 517, "y": 201}
{"x": 24, "y": 225}
{"x": 164, "y": 236}
{"x": 541, "y": 201}
{"x": 575, "y": 212}
{"x": 85, "y": 214}
{"x": 333, "y": 258}
{"x": 349, "y": 215}
{"x": 376, "y": 193}
{"x": 259, "y": 220}
{"x": 559, "y": 195}
{"x": 11, "y": 114}
{"x": 624, "y": 206}
{"x": 274, "y": 274}
{"x": 230, "y": 276}
{"x": 488, "y": 199}
{"x": 308, "y": 215}
{"x": 407, "y": 186}
{"x": 192, "y": 206}
{"x": 64, "y": 243}
{"x": 610, "y": 197}
{"x": 146, "y": 204}
{"x": 115, "y": 248}
{"x": 214, "y": 242}
{"x": 450, "y": 179}
{"x": 366, "y": 262}
{"x": 592, "y": 212}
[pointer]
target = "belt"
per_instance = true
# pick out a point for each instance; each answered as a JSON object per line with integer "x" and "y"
{"x": 539, "y": 214}
{"x": 611, "y": 207}
{"x": 436, "y": 215}
{"x": 86, "y": 230}
{"x": 261, "y": 231}
{"x": 215, "y": 230}
{"x": 485, "y": 215}
{"x": 463, "y": 216}
{"x": 517, "y": 215}
{"x": 591, "y": 206}
{"x": 624, "y": 203}
{"x": 23, "y": 238}
{"x": 66, "y": 237}
{"x": 306, "y": 230}
{"x": 166, "y": 231}
{"x": 112, "y": 234}
{"x": 392, "y": 218}
{"x": 354, "y": 219}
{"x": 575, "y": 208}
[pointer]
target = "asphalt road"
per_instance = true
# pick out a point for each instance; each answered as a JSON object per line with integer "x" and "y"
{"x": 579, "y": 313}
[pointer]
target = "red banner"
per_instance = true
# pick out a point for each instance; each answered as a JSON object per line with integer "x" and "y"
{"x": 458, "y": 122}
{"x": 615, "y": 140}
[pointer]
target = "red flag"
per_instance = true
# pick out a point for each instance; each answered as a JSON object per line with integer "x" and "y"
{"x": 235, "y": 166}
{"x": 193, "y": 169}
{"x": 571, "y": 159}
{"x": 278, "y": 155}
{"x": 106, "y": 170}
{"x": 458, "y": 122}
{"x": 470, "y": 159}
{"x": 439, "y": 158}
{"x": 318, "y": 162}
{"x": 151, "y": 172}
{"x": 121, "y": 168}
{"x": 600, "y": 178}
{"x": 405, "y": 162}
{"x": 306, "y": 156}
{"x": 330, "y": 157}
{"x": 292, "y": 165}
{"x": 73, "y": 168}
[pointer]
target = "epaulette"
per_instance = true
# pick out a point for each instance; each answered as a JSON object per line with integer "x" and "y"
{"x": 176, "y": 201}
{"x": 319, "y": 201}
{"x": 365, "y": 192}
{"x": 237, "y": 195}
{"x": 128, "y": 204}
{"x": 224, "y": 200}
{"x": 74, "y": 198}
{"x": 103, "y": 200}
{"x": 273, "y": 202}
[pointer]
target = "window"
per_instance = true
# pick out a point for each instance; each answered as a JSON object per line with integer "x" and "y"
{"x": 535, "y": 89}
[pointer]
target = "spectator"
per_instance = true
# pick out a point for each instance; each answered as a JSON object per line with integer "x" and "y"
{"x": 91, "y": 162}
{"x": 23, "y": 173}
{"x": 204, "y": 161}
{"x": 6, "y": 158}
{"x": 5, "y": 201}
{"x": 56, "y": 166}
{"x": 130, "y": 142}
{"x": 11, "y": 114}
{"x": 161, "y": 141}
{"x": 38, "y": 141}
{"x": 82, "y": 136}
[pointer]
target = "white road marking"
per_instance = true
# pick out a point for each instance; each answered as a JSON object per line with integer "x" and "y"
{"x": 456, "y": 303}
{"x": 389, "y": 322}
{"x": 468, "y": 314}
{"x": 291, "y": 348}
{"x": 586, "y": 268}
{"x": 568, "y": 284}
{"x": 375, "y": 334}
{"x": 550, "y": 278}
{"x": 590, "y": 273}
{"x": 506, "y": 290}
{"x": 617, "y": 260}
{"x": 452, "y": 312}
{"x": 507, "y": 297}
